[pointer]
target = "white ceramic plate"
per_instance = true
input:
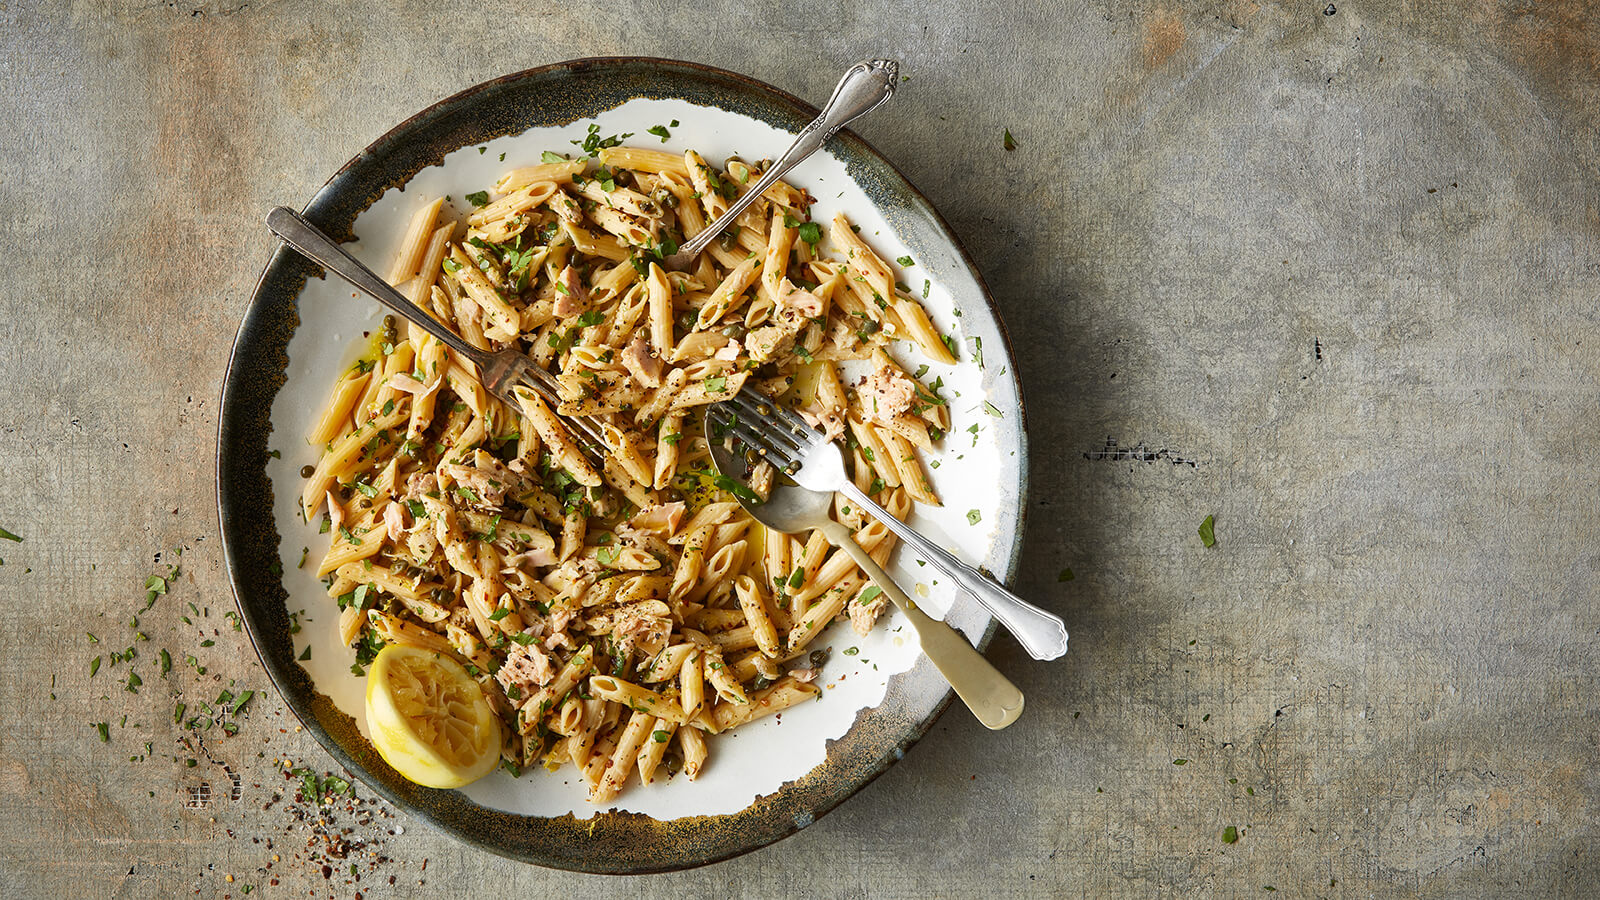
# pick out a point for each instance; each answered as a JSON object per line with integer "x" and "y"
{"x": 978, "y": 473}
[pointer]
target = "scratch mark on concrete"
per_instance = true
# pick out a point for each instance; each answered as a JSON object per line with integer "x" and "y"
{"x": 1137, "y": 453}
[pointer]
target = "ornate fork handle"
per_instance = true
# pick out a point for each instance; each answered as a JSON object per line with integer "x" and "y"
{"x": 864, "y": 87}
{"x": 1042, "y": 634}
{"x": 294, "y": 230}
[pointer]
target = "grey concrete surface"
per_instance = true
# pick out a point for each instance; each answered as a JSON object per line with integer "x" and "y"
{"x": 1337, "y": 260}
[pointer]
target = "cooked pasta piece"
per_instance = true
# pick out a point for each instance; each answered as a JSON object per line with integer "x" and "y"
{"x": 617, "y": 610}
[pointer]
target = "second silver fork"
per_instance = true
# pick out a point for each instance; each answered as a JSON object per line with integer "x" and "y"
{"x": 500, "y": 372}
{"x": 814, "y": 462}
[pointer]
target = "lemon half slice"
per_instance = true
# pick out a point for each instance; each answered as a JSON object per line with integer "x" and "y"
{"x": 429, "y": 719}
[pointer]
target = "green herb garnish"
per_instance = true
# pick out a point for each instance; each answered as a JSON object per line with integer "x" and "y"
{"x": 737, "y": 489}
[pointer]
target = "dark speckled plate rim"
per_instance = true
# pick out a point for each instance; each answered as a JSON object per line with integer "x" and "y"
{"x": 609, "y": 843}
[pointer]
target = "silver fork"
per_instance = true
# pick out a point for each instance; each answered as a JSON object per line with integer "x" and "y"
{"x": 499, "y": 372}
{"x": 779, "y": 435}
{"x": 864, "y": 87}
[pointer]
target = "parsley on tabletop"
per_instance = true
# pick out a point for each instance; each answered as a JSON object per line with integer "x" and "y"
{"x": 1010, "y": 142}
{"x": 1208, "y": 533}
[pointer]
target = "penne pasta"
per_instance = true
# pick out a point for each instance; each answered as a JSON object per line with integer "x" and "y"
{"x": 620, "y": 608}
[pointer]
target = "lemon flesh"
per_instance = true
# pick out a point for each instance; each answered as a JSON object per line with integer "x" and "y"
{"x": 429, "y": 719}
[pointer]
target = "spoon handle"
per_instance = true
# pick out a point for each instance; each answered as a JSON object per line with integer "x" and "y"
{"x": 864, "y": 87}
{"x": 991, "y": 697}
{"x": 1041, "y": 633}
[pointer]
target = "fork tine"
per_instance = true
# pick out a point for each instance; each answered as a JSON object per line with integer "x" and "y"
{"x": 770, "y": 431}
{"x": 546, "y": 386}
{"x": 761, "y": 443}
{"x": 587, "y": 435}
{"x": 777, "y": 416}
{"x": 802, "y": 436}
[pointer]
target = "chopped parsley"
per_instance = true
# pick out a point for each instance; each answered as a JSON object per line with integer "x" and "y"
{"x": 906, "y": 261}
{"x": 478, "y": 198}
{"x": 551, "y": 158}
{"x": 660, "y": 131}
{"x": 9, "y": 536}
{"x": 593, "y": 143}
{"x": 810, "y": 232}
{"x": 1010, "y": 142}
{"x": 1065, "y": 575}
{"x": 974, "y": 517}
{"x": 737, "y": 489}
{"x": 1208, "y": 532}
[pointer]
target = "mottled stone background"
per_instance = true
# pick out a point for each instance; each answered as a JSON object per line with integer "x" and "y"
{"x": 1323, "y": 270}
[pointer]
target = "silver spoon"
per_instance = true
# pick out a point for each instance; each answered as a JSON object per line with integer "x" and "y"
{"x": 792, "y": 509}
{"x": 864, "y": 87}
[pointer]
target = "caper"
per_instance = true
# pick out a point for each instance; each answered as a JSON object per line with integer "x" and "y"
{"x": 673, "y": 495}
{"x": 728, "y": 239}
{"x": 817, "y": 658}
{"x": 736, "y": 330}
{"x": 307, "y": 471}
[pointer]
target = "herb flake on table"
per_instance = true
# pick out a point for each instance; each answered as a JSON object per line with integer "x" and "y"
{"x": 1065, "y": 575}
{"x": 1208, "y": 532}
{"x": 1010, "y": 142}
{"x": 10, "y": 536}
